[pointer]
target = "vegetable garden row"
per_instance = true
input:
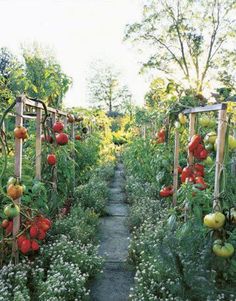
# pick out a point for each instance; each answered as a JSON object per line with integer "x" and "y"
{"x": 55, "y": 167}
{"x": 181, "y": 187}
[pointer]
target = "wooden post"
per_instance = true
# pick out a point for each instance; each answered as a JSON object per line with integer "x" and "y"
{"x": 54, "y": 171}
{"x": 176, "y": 165}
{"x": 38, "y": 143}
{"x": 144, "y": 131}
{"x": 191, "y": 133}
{"x": 73, "y": 155}
{"x": 18, "y": 169}
{"x": 222, "y": 127}
{"x": 65, "y": 122}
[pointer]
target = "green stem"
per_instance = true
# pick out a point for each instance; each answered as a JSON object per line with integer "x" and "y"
{"x": 4, "y": 158}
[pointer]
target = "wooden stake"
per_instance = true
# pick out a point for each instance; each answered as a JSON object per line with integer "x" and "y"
{"x": 18, "y": 169}
{"x": 54, "y": 171}
{"x": 38, "y": 143}
{"x": 65, "y": 122}
{"x": 191, "y": 133}
{"x": 222, "y": 127}
{"x": 176, "y": 165}
{"x": 73, "y": 156}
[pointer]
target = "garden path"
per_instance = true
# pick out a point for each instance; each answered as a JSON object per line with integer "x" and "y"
{"x": 117, "y": 278}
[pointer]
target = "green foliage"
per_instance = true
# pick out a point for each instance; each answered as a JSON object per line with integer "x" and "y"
{"x": 39, "y": 76}
{"x": 84, "y": 231}
{"x": 93, "y": 194}
{"x": 174, "y": 258}
{"x": 44, "y": 77}
{"x": 63, "y": 266}
{"x": 13, "y": 283}
{"x": 86, "y": 157}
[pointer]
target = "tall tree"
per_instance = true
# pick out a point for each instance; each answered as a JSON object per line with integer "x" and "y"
{"x": 11, "y": 77}
{"x": 105, "y": 89}
{"x": 45, "y": 78}
{"x": 187, "y": 39}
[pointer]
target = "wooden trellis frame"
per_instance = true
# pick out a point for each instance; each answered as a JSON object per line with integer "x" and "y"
{"x": 221, "y": 132}
{"x": 21, "y": 103}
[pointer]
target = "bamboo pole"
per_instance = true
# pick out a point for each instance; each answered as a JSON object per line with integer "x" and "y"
{"x": 192, "y": 120}
{"x": 176, "y": 165}
{"x": 38, "y": 143}
{"x": 222, "y": 127}
{"x": 18, "y": 170}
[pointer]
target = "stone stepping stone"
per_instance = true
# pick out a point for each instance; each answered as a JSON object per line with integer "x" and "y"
{"x": 113, "y": 284}
{"x": 117, "y": 209}
{"x": 117, "y": 278}
{"x": 114, "y": 241}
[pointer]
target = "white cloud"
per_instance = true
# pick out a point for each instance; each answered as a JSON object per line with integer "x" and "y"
{"x": 79, "y": 31}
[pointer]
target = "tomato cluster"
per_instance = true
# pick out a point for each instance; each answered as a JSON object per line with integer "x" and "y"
{"x": 161, "y": 136}
{"x": 197, "y": 148}
{"x": 35, "y": 231}
{"x": 194, "y": 174}
{"x": 166, "y": 191}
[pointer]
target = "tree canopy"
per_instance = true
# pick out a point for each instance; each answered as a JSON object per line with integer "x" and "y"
{"x": 105, "y": 89}
{"x": 187, "y": 40}
{"x": 38, "y": 76}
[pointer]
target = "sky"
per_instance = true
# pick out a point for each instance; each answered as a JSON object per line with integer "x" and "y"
{"x": 79, "y": 32}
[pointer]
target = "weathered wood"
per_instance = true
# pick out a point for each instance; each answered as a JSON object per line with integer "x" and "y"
{"x": 34, "y": 104}
{"x": 73, "y": 155}
{"x": 216, "y": 107}
{"x": 144, "y": 132}
{"x": 65, "y": 121}
{"x": 176, "y": 165}
{"x": 191, "y": 133}
{"x": 222, "y": 127}
{"x": 18, "y": 169}
{"x": 54, "y": 170}
{"x": 38, "y": 150}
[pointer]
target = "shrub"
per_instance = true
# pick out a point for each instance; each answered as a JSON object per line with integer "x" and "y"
{"x": 93, "y": 195}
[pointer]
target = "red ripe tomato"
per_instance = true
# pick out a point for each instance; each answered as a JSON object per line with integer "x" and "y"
{"x": 162, "y": 133}
{"x": 195, "y": 140}
{"x": 20, "y": 239}
{"x": 180, "y": 169}
{"x": 34, "y": 231}
{"x": 203, "y": 154}
{"x": 34, "y": 245}
{"x": 201, "y": 184}
{"x": 5, "y": 223}
{"x": 20, "y": 132}
{"x": 197, "y": 173}
{"x": 52, "y": 160}
{"x": 58, "y": 127}
{"x": 187, "y": 172}
{"x": 44, "y": 226}
{"x": 161, "y": 140}
{"x": 47, "y": 138}
{"x": 198, "y": 150}
{"x": 190, "y": 179}
{"x": 199, "y": 167}
{"x": 62, "y": 139}
{"x": 25, "y": 246}
{"x": 9, "y": 228}
{"x": 41, "y": 234}
{"x": 77, "y": 137}
{"x": 166, "y": 191}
